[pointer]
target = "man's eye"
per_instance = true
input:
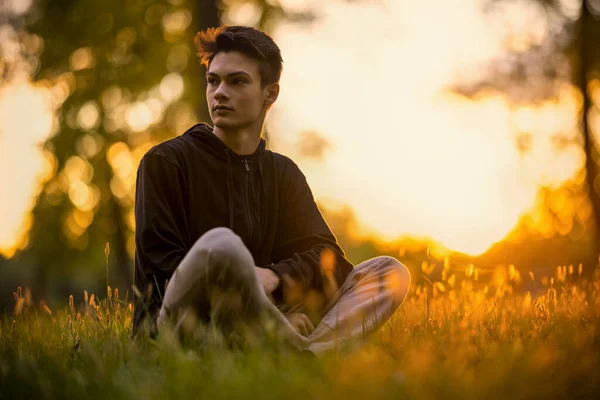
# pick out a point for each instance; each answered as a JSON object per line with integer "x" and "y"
{"x": 239, "y": 81}
{"x": 211, "y": 81}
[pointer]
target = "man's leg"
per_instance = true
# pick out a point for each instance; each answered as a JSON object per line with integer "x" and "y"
{"x": 367, "y": 299}
{"x": 217, "y": 276}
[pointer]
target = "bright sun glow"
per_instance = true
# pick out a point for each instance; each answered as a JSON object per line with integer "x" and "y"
{"x": 22, "y": 162}
{"x": 407, "y": 158}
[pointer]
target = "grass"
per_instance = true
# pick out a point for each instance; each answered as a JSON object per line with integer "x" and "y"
{"x": 462, "y": 336}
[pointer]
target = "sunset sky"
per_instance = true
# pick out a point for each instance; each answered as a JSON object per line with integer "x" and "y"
{"x": 370, "y": 78}
{"x": 406, "y": 155}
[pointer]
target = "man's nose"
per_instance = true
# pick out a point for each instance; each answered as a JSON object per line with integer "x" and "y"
{"x": 221, "y": 92}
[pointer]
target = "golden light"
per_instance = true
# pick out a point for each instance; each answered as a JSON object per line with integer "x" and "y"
{"x": 64, "y": 86}
{"x": 182, "y": 118}
{"x": 88, "y": 116}
{"x": 157, "y": 108}
{"x": 242, "y": 13}
{"x": 408, "y": 157}
{"x": 176, "y": 21}
{"x": 74, "y": 180}
{"x": 82, "y": 58}
{"x": 126, "y": 37}
{"x": 21, "y": 154}
{"x": 119, "y": 158}
{"x": 83, "y": 218}
{"x": 80, "y": 195}
{"x": 131, "y": 246}
{"x": 111, "y": 97}
{"x": 118, "y": 187}
{"x": 327, "y": 261}
{"x": 171, "y": 87}
{"x": 18, "y": 7}
{"x": 130, "y": 219}
{"x": 75, "y": 233}
{"x": 74, "y": 226}
{"x": 405, "y": 155}
{"x": 77, "y": 169}
{"x": 89, "y": 144}
{"x": 177, "y": 60}
{"x": 138, "y": 117}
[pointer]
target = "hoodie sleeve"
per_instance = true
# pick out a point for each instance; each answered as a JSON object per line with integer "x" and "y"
{"x": 311, "y": 258}
{"x": 161, "y": 234}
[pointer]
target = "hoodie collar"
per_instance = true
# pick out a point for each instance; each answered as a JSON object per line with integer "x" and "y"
{"x": 204, "y": 132}
{"x": 213, "y": 144}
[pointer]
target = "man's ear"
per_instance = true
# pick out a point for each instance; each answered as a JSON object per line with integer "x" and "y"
{"x": 272, "y": 94}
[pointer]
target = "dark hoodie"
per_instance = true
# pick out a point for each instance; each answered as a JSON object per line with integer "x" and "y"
{"x": 193, "y": 183}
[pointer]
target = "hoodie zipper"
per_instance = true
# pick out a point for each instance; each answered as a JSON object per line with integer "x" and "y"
{"x": 248, "y": 214}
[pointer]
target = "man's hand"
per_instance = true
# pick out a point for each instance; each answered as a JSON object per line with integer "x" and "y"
{"x": 267, "y": 279}
{"x": 301, "y": 323}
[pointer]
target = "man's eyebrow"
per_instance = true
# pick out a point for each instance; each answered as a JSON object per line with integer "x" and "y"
{"x": 229, "y": 74}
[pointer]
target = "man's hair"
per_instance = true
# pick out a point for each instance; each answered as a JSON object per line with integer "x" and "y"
{"x": 248, "y": 41}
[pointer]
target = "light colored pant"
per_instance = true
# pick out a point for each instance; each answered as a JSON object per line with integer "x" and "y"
{"x": 217, "y": 276}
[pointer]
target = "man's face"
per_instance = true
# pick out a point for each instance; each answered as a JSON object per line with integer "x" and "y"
{"x": 233, "y": 91}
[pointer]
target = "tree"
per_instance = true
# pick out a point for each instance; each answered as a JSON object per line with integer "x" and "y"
{"x": 568, "y": 55}
{"x": 129, "y": 77}
{"x": 121, "y": 65}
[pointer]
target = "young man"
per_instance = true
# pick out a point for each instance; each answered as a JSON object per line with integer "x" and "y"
{"x": 234, "y": 228}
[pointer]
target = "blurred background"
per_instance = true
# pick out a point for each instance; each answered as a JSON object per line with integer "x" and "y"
{"x": 456, "y": 132}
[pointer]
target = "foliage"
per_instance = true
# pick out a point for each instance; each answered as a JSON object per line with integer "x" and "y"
{"x": 123, "y": 76}
{"x": 545, "y": 68}
{"x": 117, "y": 70}
{"x": 461, "y": 336}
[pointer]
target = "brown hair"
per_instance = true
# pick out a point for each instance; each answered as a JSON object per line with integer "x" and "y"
{"x": 247, "y": 40}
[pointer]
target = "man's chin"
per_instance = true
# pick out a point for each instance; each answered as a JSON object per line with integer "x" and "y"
{"x": 226, "y": 124}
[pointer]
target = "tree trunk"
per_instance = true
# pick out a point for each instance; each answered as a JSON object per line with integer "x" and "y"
{"x": 207, "y": 16}
{"x": 118, "y": 246}
{"x": 586, "y": 61}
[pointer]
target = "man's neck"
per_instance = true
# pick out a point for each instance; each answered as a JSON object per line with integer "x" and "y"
{"x": 243, "y": 141}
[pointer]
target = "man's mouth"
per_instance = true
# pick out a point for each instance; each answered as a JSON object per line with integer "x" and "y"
{"x": 217, "y": 108}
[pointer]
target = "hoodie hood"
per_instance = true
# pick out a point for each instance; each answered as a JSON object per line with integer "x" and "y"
{"x": 214, "y": 145}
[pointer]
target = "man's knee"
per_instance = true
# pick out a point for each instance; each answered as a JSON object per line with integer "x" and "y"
{"x": 396, "y": 276}
{"x": 219, "y": 240}
{"x": 224, "y": 255}
{"x": 220, "y": 243}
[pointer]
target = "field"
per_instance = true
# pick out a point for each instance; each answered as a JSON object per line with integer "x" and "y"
{"x": 461, "y": 336}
